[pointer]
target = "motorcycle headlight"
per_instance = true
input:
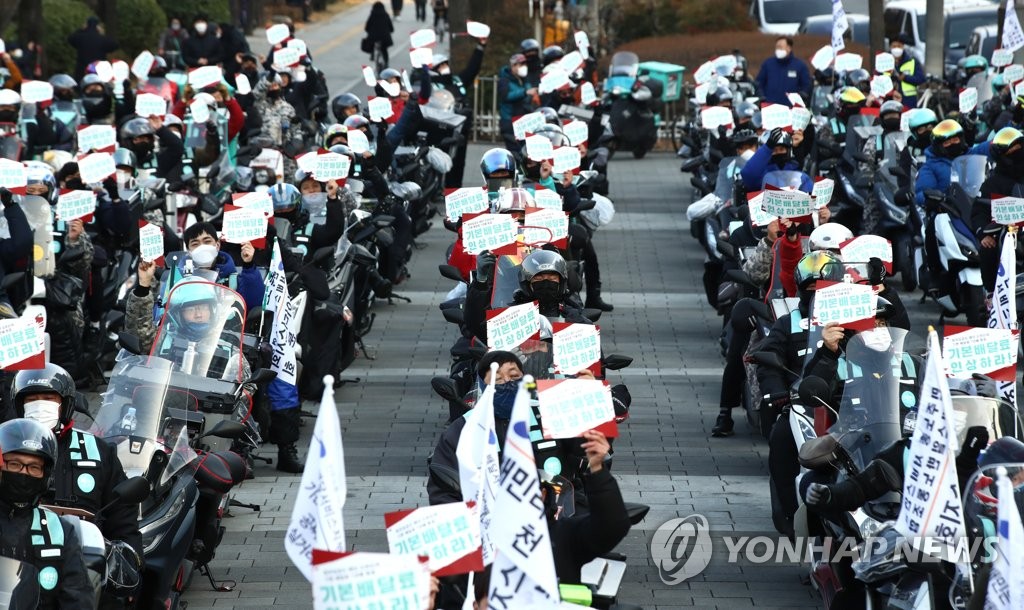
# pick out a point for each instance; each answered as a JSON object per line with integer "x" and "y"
{"x": 154, "y": 531}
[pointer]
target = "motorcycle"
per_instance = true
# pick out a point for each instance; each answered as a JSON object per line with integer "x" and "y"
{"x": 629, "y": 104}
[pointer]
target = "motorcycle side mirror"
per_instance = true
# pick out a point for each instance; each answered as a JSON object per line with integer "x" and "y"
{"x": 451, "y": 272}
{"x": 735, "y": 275}
{"x": 898, "y": 172}
{"x": 130, "y": 342}
{"x": 262, "y": 376}
{"x": 322, "y": 254}
{"x": 636, "y": 512}
{"x": 892, "y": 478}
{"x": 130, "y": 491}
{"x": 934, "y": 195}
{"x": 477, "y": 352}
{"x": 447, "y": 476}
{"x": 362, "y": 256}
{"x": 592, "y": 314}
{"x": 814, "y": 391}
{"x": 253, "y": 315}
{"x": 445, "y": 388}
{"x": 616, "y": 362}
{"x": 903, "y": 197}
{"x": 383, "y": 221}
{"x": 454, "y": 315}
{"x": 725, "y": 249}
{"x": 228, "y": 429}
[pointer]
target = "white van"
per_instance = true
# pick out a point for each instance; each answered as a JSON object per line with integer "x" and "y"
{"x": 783, "y": 17}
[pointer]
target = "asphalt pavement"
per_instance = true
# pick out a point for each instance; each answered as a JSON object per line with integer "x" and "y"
{"x": 651, "y": 269}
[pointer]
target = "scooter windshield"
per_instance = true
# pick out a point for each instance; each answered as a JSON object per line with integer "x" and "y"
{"x": 624, "y": 63}
{"x": 783, "y": 179}
{"x": 969, "y": 172}
{"x": 728, "y": 169}
{"x": 19, "y": 585}
{"x": 146, "y": 418}
{"x": 10, "y": 148}
{"x": 201, "y": 331}
{"x": 506, "y": 280}
{"x": 998, "y": 417}
{"x": 869, "y": 414}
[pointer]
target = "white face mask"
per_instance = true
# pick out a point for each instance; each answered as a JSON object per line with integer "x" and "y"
{"x": 200, "y": 28}
{"x": 124, "y": 179}
{"x": 204, "y": 256}
{"x": 747, "y": 154}
{"x": 522, "y": 71}
{"x": 45, "y": 412}
{"x": 781, "y": 54}
{"x": 444, "y": 70}
{"x": 877, "y": 339}
{"x": 896, "y": 52}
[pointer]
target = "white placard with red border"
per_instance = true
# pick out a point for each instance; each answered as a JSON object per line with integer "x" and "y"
{"x": 104, "y": 71}
{"x": 205, "y": 76}
{"x": 332, "y": 166}
{"x": 356, "y": 581}
{"x": 547, "y": 199}
{"x": 553, "y": 80}
{"x": 704, "y": 72}
{"x": 845, "y": 62}
{"x": 392, "y": 89}
{"x": 200, "y": 111}
{"x": 380, "y": 109}
{"x": 1007, "y": 210}
{"x": 795, "y": 100}
{"x": 571, "y": 62}
{"x": 570, "y": 407}
{"x": 852, "y": 306}
{"x": 150, "y": 104}
{"x": 298, "y": 45}
{"x": 449, "y": 534}
{"x": 307, "y": 162}
{"x": 776, "y": 116}
{"x": 488, "y": 232}
{"x": 36, "y": 91}
{"x": 881, "y": 85}
{"x": 22, "y": 345}
{"x": 1013, "y": 73}
{"x": 801, "y": 118}
{"x": 556, "y": 223}
{"x": 509, "y": 327}
{"x": 700, "y": 93}
{"x": 1001, "y": 57}
{"x": 258, "y": 200}
{"x": 12, "y": 174}
{"x": 121, "y": 70}
{"x": 96, "y": 167}
{"x": 369, "y": 77}
{"x": 478, "y": 30}
{"x": 422, "y": 38}
{"x": 527, "y": 124}
{"x": 968, "y": 100}
{"x": 823, "y": 58}
{"x": 142, "y": 65}
{"x": 755, "y": 205}
{"x": 566, "y": 159}
{"x": 151, "y": 241}
{"x": 242, "y": 84}
{"x": 576, "y": 347}
{"x": 576, "y": 132}
{"x": 582, "y": 40}
{"x": 278, "y": 33}
{"x": 968, "y": 350}
{"x": 884, "y": 63}
{"x": 74, "y": 205}
{"x": 822, "y": 192}
{"x": 715, "y": 116}
{"x": 863, "y": 248}
{"x": 587, "y": 94}
{"x": 539, "y": 148}
{"x": 97, "y": 138}
{"x": 466, "y": 200}
{"x": 420, "y": 57}
{"x": 243, "y": 225}
{"x": 787, "y": 203}
{"x": 357, "y": 141}
{"x": 287, "y": 57}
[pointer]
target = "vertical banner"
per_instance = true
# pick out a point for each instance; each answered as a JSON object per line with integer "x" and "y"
{"x": 1004, "y": 304}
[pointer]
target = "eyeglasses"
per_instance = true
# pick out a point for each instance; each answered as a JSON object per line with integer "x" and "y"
{"x": 35, "y": 470}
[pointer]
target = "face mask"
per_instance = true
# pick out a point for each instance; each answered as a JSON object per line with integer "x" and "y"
{"x": 314, "y": 200}
{"x": 64, "y": 95}
{"x": 890, "y": 125}
{"x": 876, "y": 339}
{"x": 125, "y": 180}
{"x": 496, "y": 184}
{"x": 532, "y": 171}
{"x": 954, "y": 150}
{"x": 782, "y": 159}
{"x": 204, "y": 256}
{"x": 747, "y": 154}
{"x": 200, "y": 28}
{"x": 780, "y": 54}
{"x": 20, "y": 488}
{"x": 273, "y": 94}
{"x": 896, "y": 52}
{"x": 46, "y": 412}
{"x": 522, "y": 71}
{"x": 8, "y": 116}
{"x": 444, "y": 70}
{"x": 75, "y": 184}
{"x": 546, "y": 291}
{"x": 96, "y": 105}
{"x": 505, "y": 398}
{"x": 175, "y": 26}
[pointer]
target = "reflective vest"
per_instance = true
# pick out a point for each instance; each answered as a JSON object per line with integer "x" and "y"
{"x": 906, "y": 88}
{"x": 86, "y": 461}
{"x": 47, "y": 538}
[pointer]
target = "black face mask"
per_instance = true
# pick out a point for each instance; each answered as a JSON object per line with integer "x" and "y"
{"x": 921, "y": 141}
{"x": 547, "y": 291}
{"x": 252, "y": 75}
{"x": 96, "y": 105}
{"x": 1012, "y": 163}
{"x": 8, "y": 116}
{"x": 274, "y": 94}
{"x": 20, "y": 488}
{"x": 75, "y": 184}
{"x": 953, "y": 151}
{"x": 532, "y": 171}
{"x": 891, "y": 124}
{"x": 142, "y": 151}
{"x": 782, "y": 159}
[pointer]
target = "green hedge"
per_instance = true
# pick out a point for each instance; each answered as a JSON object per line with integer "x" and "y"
{"x": 141, "y": 22}
{"x": 62, "y": 17}
{"x": 215, "y": 10}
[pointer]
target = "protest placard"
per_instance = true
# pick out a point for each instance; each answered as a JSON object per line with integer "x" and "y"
{"x": 576, "y": 132}
{"x": 576, "y": 347}
{"x": 95, "y": 167}
{"x": 968, "y": 100}
{"x": 566, "y": 159}
{"x": 97, "y": 138}
{"x": 704, "y": 73}
{"x": 509, "y": 327}
{"x": 151, "y": 241}
{"x": 554, "y": 79}
{"x": 104, "y": 71}
{"x": 795, "y": 100}
{"x": 358, "y": 141}
{"x": 36, "y": 92}
{"x": 478, "y": 30}
{"x": 205, "y": 76}
{"x": 257, "y": 200}
{"x": 776, "y": 116}
{"x": 863, "y": 248}
{"x": 801, "y": 118}
{"x": 823, "y": 58}
{"x": 822, "y": 192}
{"x": 755, "y": 204}
{"x": 1013, "y": 73}
{"x": 142, "y": 65}
{"x": 571, "y": 62}
{"x": 286, "y": 57}
{"x": 884, "y": 63}
{"x": 570, "y": 407}
{"x": 850, "y": 305}
{"x": 1007, "y": 210}
{"x": 243, "y": 225}
{"x": 587, "y": 94}
{"x": 422, "y": 38}
{"x": 150, "y": 104}
{"x": 881, "y": 85}
{"x": 527, "y": 124}
{"x": 298, "y": 45}
{"x": 845, "y": 62}
{"x": 545, "y": 226}
{"x": 278, "y": 33}
{"x": 714, "y": 116}
{"x": 12, "y": 174}
{"x": 538, "y": 148}
{"x": 547, "y": 198}
{"x": 332, "y": 166}
{"x": 200, "y": 111}
{"x": 21, "y": 345}
{"x": 357, "y": 581}
{"x": 467, "y": 200}
{"x": 380, "y": 109}
{"x": 72, "y": 205}
{"x": 448, "y": 534}
{"x": 969, "y": 350}
{"x": 1001, "y": 57}
{"x": 582, "y": 40}
{"x": 787, "y": 204}
{"x": 488, "y": 232}
{"x": 421, "y": 57}
{"x": 369, "y": 77}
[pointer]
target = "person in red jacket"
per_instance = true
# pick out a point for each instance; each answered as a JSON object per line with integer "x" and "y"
{"x": 220, "y": 94}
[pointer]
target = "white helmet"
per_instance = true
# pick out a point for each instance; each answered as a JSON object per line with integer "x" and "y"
{"x": 9, "y": 98}
{"x": 829, "y": 236}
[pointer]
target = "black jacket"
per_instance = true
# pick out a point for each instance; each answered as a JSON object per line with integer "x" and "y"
{"x": 444, "y": 455}
{"x": 206, "y": 46}
{"x": 90, "y": 45}
{"x": 118, "y": 522}
{"x": 379, "y": 28}
{"x": 16, "y": 252}
{"x": 74, "y": 590}
{"x": 169, "y": 161}
{"x": 585, "y": 536}
{"x": 999, "y": 182}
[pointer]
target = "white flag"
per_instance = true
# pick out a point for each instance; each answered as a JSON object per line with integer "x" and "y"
{"x": 1013, "y": 35}
{"x": 931, "y": 515}
{"x": 839, "y": 25}
{"x": 477, "y": 453}
{"x": 1006, "y": 583}
{"x": 277, "y": 285}
{"x": 523, "y": 574}
{"x": 316, "y": 517}
{"x": 1004, "y": 304}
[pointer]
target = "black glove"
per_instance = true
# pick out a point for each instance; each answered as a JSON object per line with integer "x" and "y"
{"x": 818, "y": 494}
{"x": 723, "y": 132}
{"x": 876, "y": 271}
{"x": 485, "y": 267}
{"x": 776, "y": 137}
{"x": 6, "y": 197}
{"x": 110, "y": 185}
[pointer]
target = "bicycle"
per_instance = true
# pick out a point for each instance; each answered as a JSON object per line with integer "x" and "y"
{"x": 378, "y": 57}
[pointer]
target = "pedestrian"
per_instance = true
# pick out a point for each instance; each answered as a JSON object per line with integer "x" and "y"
{"x": 378, "y": 32}
{"x": 783, "y": 74}
{"x": 909, "y": 73}
{"x": 203, "y": 48}
{"x": 396, "y": 9}
{"x": 421, "y": 10}
{"x": 516, "y": 97}
{"x": 440, "y": 12}
{"x": 171, "y": 42}
{"x": 90, "y": 44}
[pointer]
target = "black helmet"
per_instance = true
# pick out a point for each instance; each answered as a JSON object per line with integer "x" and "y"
{"x": 550, "y": 115}
{"x": 745, "y": 111}
{"x": 543, "y": 261}
{"x": 63, "y": 81}
{"x": 859, "y": 78}
{"x": 552, "y": 53}
{"x": 719, "y": 95}
{"x": 1006, "y": 450}
{"x": 744, "y": 136}
{"x": 31, "y": 438}
{"x": 389, "y": 73}
{"x": 1005, "y": 139}
{"x": 343, "y": 101}
{"x": 357, "y": 121}
{"x": 495, "y": 160}
{"x": 530, "y": 45}
{"x": 50, "y": 378}
{"x": 136, "y": 128}
{"x": 554, "y": 133}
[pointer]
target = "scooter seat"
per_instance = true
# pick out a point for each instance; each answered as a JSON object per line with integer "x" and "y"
{"x": 220, "y": 471}
{"x": 818, "y": 452}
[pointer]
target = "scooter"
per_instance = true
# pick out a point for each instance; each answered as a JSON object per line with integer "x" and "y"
{"x": 629, "y": 101}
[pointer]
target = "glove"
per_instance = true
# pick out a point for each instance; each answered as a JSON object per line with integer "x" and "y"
{"x": 776, "y": 137}
{"x": 485, "y": 267}
{"x": 818, "y": 495}
{"x": 985, "y": 386}
{"x": 110, "y": 185}
{"x": 6, "y": 197}
{"x": 876, "y": 271}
